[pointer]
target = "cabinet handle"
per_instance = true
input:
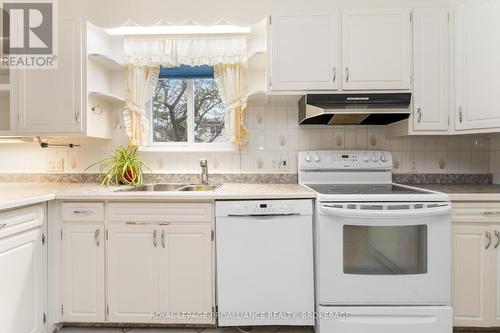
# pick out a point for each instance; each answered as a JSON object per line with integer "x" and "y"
{"x": 497, "y": 235}
{"x": 488, "y": 240}
{"x": 419, "y": 118}
{"x": 77, "y": 115}
{"x": 155, "y": 241}
{"x": 490, "y": 213}
{"x": 163, "y": 238}
{"x": 97, "y": 238}
{"x": 82, "y": 212}
{"x": 3, "y": 225}
{"x": 460, "y": 115}
{"x": 347, "y": 74}
{"x": 135, "y": 223}
{"x": 334, "y": 74}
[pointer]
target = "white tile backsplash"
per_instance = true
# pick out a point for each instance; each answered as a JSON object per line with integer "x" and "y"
{"x": 275, "y": 138}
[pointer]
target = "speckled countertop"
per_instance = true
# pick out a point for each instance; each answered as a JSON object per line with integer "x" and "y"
{"x": 466, "y": 192}
{"x": 14, "y": 195}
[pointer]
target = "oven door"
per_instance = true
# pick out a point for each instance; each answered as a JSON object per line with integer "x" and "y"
{"x": 383, "y": 253}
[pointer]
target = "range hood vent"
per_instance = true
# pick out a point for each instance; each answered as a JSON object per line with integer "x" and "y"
{"x": 353, "y": 109}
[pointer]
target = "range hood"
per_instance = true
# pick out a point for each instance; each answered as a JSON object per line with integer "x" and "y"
{"x": 354, "y": 109}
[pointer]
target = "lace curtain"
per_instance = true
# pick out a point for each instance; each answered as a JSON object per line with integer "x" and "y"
{"x": 141, "y": 83}
{"x": 228, "y": 56}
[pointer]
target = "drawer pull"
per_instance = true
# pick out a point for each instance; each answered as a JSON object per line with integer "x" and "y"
{"x": 82, "y": 212}
{"x": 3, "y": 225}
{"x": 490, "y": 213}
{"x": 135, "y": 223}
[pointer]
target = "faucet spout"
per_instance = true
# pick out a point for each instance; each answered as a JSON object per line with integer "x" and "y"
{"x": 204, "y": 172}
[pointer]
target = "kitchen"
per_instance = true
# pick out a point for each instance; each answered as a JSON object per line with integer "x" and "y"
{"x": 252, "y": 166}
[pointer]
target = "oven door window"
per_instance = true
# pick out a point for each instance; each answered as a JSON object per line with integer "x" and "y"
{"x": 385, "y": 250}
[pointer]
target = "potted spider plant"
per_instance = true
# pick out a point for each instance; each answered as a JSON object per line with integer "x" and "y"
{"x": 123, "y": 168}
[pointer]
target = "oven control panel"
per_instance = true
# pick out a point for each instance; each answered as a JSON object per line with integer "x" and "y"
{"x": 345, "y": 159}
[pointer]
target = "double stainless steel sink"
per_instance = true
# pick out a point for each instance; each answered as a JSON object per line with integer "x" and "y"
{"x": 172, "y": 188}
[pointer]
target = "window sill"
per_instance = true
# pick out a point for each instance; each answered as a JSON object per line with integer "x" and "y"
{"x": 202, "y": 148}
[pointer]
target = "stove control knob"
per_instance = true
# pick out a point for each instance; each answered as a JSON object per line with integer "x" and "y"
{"x": 383, "y": 158}
{"x": 317, "y": 158}
{"x": 308, "y": 158}
{"x": 365, "y": 158}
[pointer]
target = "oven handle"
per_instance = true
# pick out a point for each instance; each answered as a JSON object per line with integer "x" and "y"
{"x": 442, "y": 209}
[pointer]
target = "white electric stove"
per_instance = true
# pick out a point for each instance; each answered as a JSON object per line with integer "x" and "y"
{"x": 382, "y": 249}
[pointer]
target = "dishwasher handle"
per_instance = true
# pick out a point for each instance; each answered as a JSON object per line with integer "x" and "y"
{"x": 264, "y": 215}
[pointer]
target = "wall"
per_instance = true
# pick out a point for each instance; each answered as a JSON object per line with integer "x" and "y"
{"x": 274, "y": 138}
{"x": 274, "y": 135}
{"x": 495, "y": 158}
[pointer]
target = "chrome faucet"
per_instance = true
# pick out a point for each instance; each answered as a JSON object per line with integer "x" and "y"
{"x": 204, "y": 172}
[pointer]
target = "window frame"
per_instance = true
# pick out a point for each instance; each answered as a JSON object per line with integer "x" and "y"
{"x": 190, "y": 144}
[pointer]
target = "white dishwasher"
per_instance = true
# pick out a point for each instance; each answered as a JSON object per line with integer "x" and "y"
{"x": 265, "y": 262}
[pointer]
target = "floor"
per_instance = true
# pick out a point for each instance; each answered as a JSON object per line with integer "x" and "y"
{"x": 219, "y": 330}
{"x": 186, "y": 330}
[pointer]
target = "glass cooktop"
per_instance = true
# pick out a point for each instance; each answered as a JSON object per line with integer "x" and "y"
{"x": 364, "y": 189}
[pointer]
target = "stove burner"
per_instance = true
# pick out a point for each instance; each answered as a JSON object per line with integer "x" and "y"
{"x": 363, "y": 189}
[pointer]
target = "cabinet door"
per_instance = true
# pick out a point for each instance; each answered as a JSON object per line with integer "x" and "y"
{"x": 83, "y": 273}
{"x": 186, "y": 271}
{"x": 21, "y": 286}
{"x": 304, "y": 52}
{"x": 376, "y": 49}
{"x": 430, "y": 70}
{"x": 477, "y": 68}
{"x": 49, "y": 100}
{"x": 471, "y": 276}
{"x": 495, "y": 294}
{"x": 132, "y": 273}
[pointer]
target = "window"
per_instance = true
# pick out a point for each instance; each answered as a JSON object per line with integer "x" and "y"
{"x": 187, "y": 109}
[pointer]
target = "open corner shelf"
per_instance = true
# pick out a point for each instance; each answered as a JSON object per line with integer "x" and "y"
{"x": 110, "y": 98}
{"x": 106, "y": 61}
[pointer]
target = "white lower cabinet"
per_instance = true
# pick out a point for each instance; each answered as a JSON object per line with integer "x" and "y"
{"x": 137, "y": 263}
{"x": 132, "y": 273}
{"x": 185, "y": 271}
{"x": 83, "y": 272}
{"x": 472, "y": 275}
{"x": 157, "y": 271}
{"x": 476, "y": 265}
{"x": 22, "y": 281}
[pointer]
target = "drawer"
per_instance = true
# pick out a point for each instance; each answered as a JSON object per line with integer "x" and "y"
{"x": 160, "y": 212}
{"x": 476, "y": 212}
{"x": 83, "y": 211}
{"x": 19, "y": 220}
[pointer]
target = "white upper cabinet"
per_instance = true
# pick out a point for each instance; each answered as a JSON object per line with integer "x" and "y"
{"x": 430, "y": 70}
{"x": 304, "y": 52}
{"x": 477, "y": 66}
{"x": 50, "y": 99}
{"x": 60, "y": 101}
{"x": 83, "y": 272}
{"x": 376, "y": 49}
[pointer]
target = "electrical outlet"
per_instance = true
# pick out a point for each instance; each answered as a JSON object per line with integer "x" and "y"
{"x": 280, "y": 163}
{"x": 56, "y": 165}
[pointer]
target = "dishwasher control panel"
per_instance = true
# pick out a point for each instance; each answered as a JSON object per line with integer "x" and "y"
{"x": 264, "y": 207}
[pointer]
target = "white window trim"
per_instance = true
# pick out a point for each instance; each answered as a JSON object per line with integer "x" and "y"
{"x": 190, "y": 145}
